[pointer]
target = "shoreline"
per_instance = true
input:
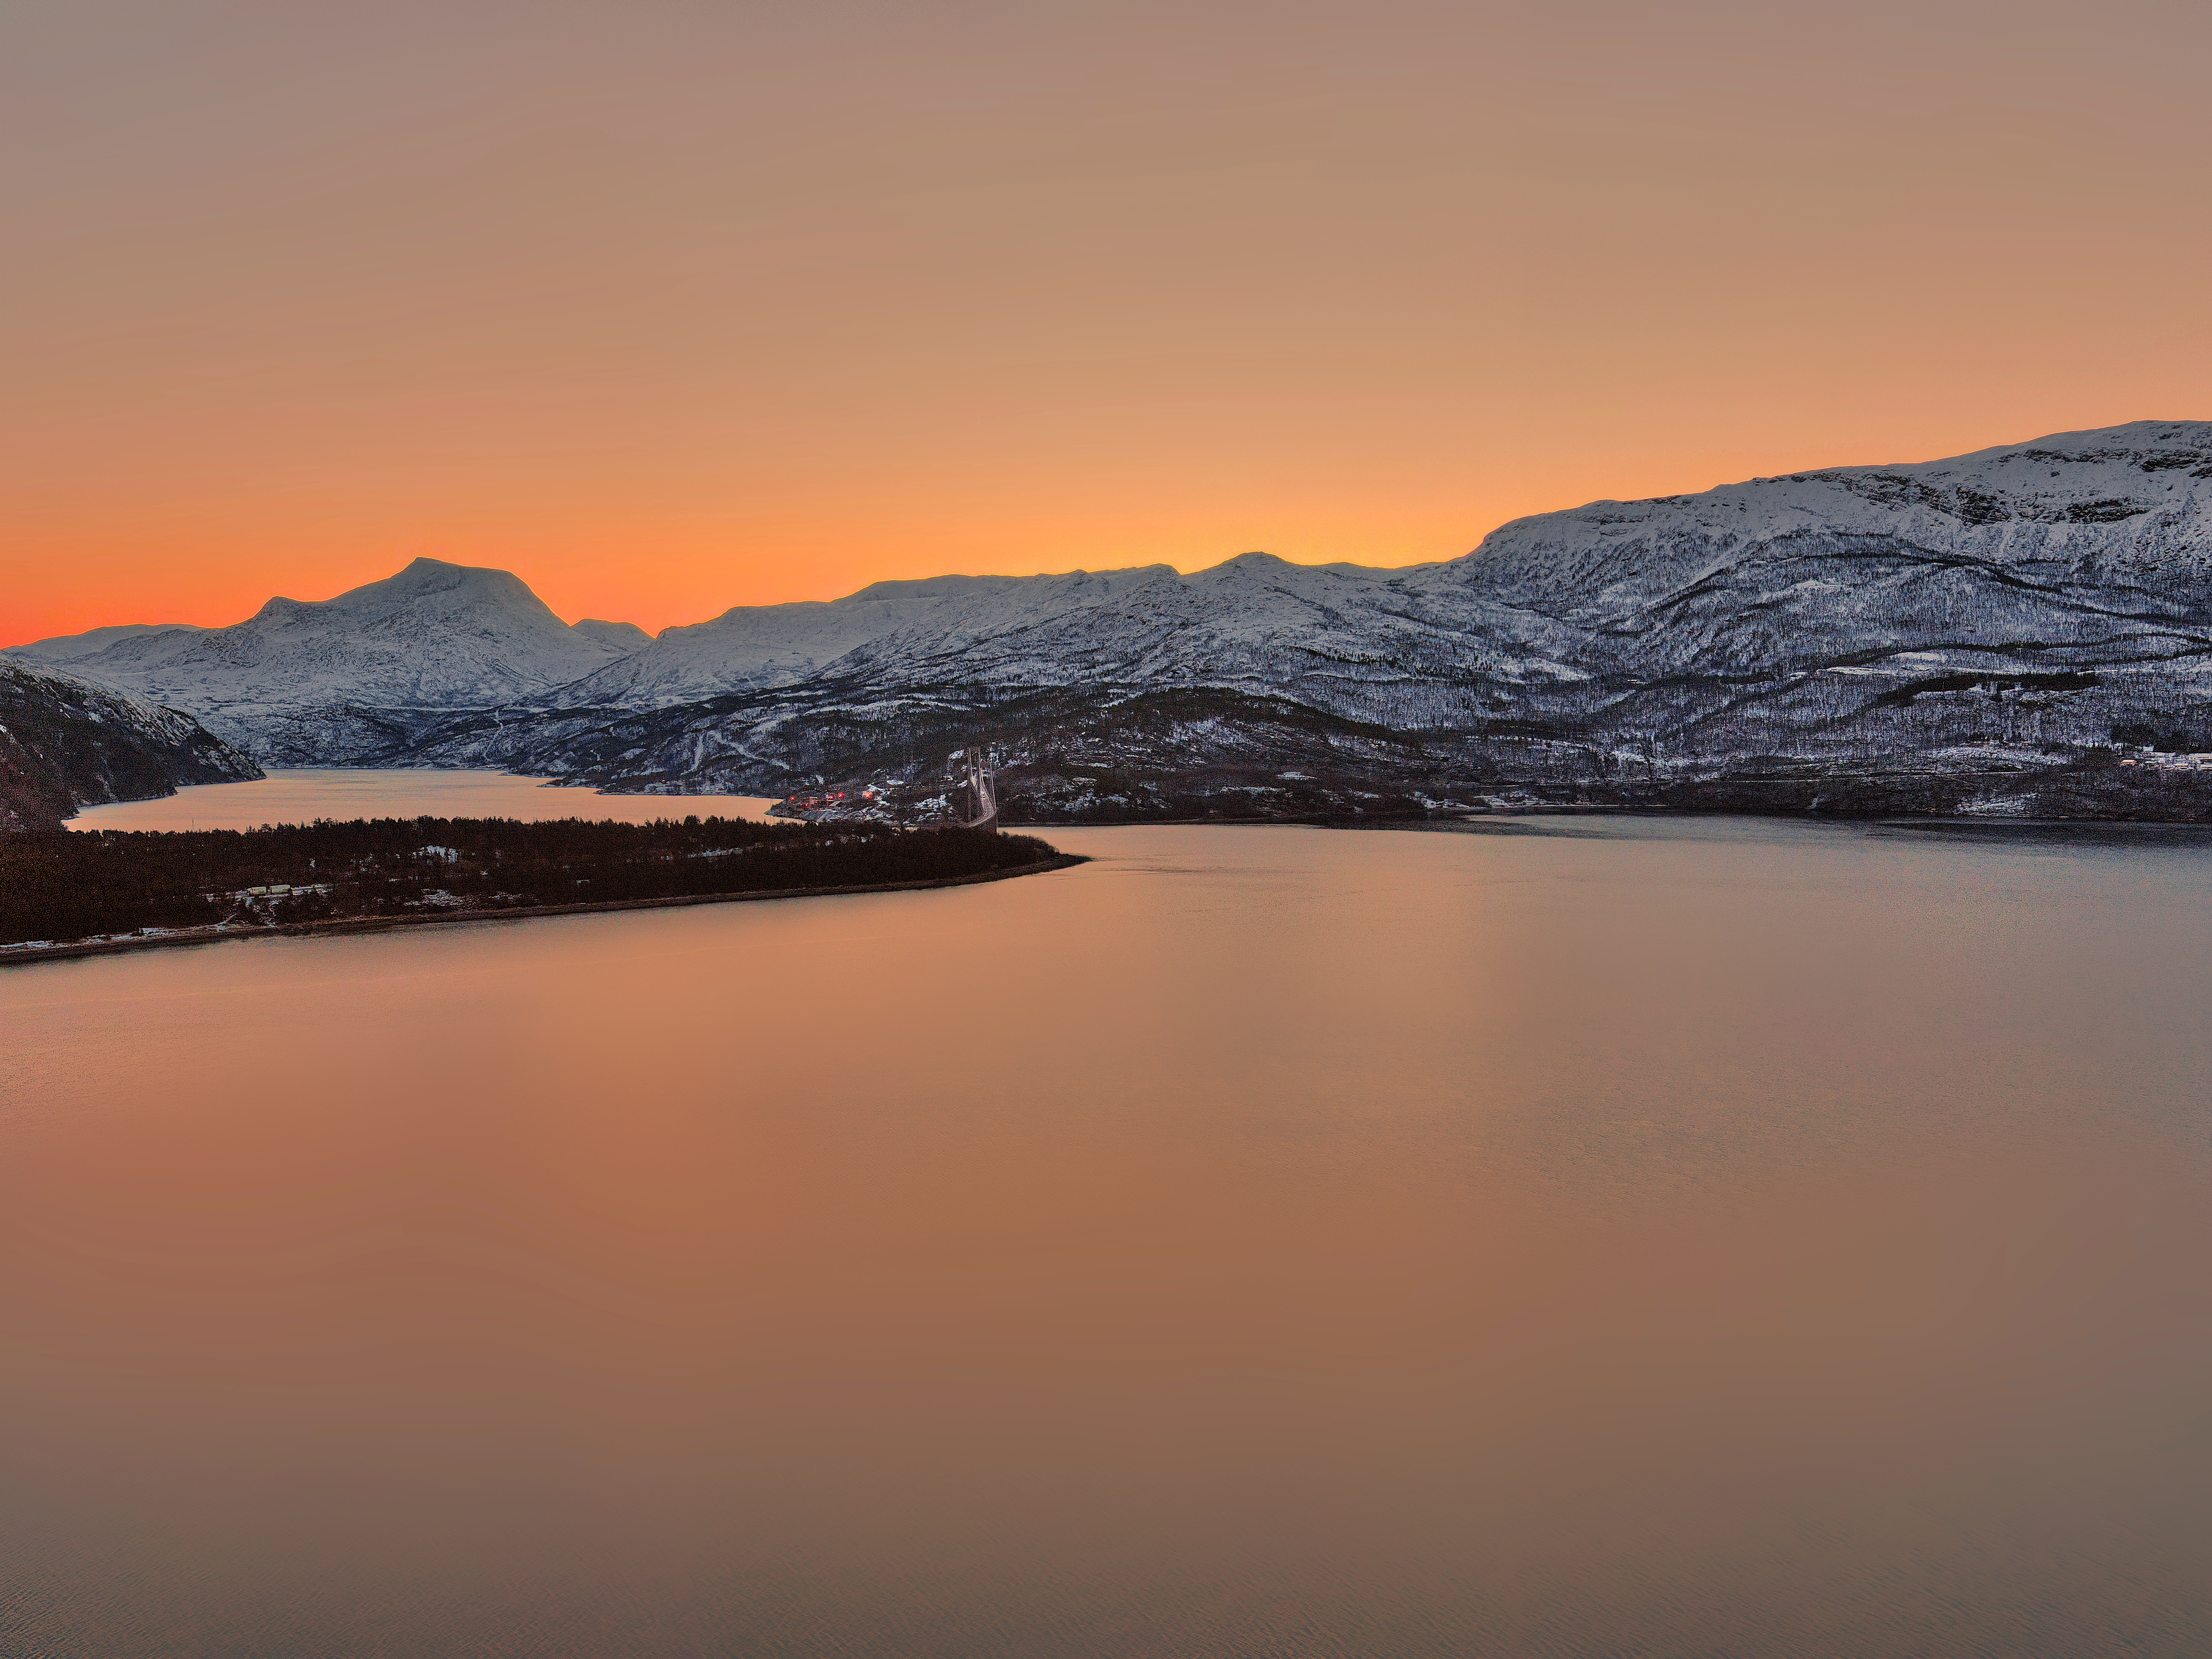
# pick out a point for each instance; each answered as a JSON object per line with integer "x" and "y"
{"x": 385, "y": 924}
{"x": 1459, "y": 820}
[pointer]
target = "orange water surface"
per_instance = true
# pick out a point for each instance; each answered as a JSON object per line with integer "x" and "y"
{"x": 1616, "y": 1237}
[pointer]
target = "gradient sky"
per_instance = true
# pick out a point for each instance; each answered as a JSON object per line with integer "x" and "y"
{"x": 672, "y": 305}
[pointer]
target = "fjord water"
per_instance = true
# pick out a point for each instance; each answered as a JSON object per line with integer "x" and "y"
{"x": 1621, "y": 1238}
{"x": 302, "y": 794}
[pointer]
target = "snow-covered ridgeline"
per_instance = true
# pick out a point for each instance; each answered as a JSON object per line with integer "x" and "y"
{"x": 1795, "y": 600}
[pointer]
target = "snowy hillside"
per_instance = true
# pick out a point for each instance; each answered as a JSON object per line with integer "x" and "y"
{"x": 1359, "y": 640}
{"x": 2127, "y": 508}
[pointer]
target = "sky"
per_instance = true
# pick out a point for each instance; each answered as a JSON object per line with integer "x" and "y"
{"x": 673, "y": 304}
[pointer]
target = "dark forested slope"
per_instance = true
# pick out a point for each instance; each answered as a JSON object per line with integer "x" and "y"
{"x": 65, "y": 744}
{"x": 70, "y": 884}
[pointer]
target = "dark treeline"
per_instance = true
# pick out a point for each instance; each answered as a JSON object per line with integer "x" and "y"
{"x": 73, "y": 885}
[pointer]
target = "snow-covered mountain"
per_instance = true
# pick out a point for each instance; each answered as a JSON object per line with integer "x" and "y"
{"x": 2079, "y": 532}
{"x": 2066, "y": 532}
{"x": 300, "y": 682}
{"x": 65, "y": 744}
{"x": 1902, "y": 608}
{"x": 2111, "y": 506}
{"x": 2026, "y": 601}
{"x": 2016, "y": 607}
{"x": 1347, "y": 634}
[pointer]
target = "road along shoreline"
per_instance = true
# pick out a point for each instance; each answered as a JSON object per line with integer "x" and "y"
{"x": 22, "y": 956}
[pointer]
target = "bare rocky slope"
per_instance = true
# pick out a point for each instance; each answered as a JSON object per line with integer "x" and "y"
{"x": 2023, "y": 629}
{"x": 65, "y": 744}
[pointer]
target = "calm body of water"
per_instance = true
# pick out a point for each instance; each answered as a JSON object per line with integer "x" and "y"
{"x": 302, "y": 794}
{"x": 1713, "y": 1238}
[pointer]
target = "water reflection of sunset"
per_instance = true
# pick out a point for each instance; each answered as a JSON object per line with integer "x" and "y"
{"x": 1468, "y": 1235}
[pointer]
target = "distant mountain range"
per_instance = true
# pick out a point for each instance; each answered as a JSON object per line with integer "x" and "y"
{"x": 1971, "y": 634}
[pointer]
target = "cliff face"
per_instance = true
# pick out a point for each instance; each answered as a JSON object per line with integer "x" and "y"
{"x": 65, "y": 744}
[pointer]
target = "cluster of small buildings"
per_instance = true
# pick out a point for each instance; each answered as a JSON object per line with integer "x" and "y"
{"x": 276, "y": 890}
{"x": 2159, "y": 761}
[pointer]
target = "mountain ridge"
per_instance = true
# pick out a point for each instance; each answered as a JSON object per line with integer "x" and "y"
{"x": 2027, "y": 599}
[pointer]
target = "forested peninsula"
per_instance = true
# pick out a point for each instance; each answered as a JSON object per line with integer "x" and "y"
{"x": 104, "y": 888}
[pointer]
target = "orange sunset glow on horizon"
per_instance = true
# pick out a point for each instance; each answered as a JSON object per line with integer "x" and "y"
{"x": 674, "y": 307}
